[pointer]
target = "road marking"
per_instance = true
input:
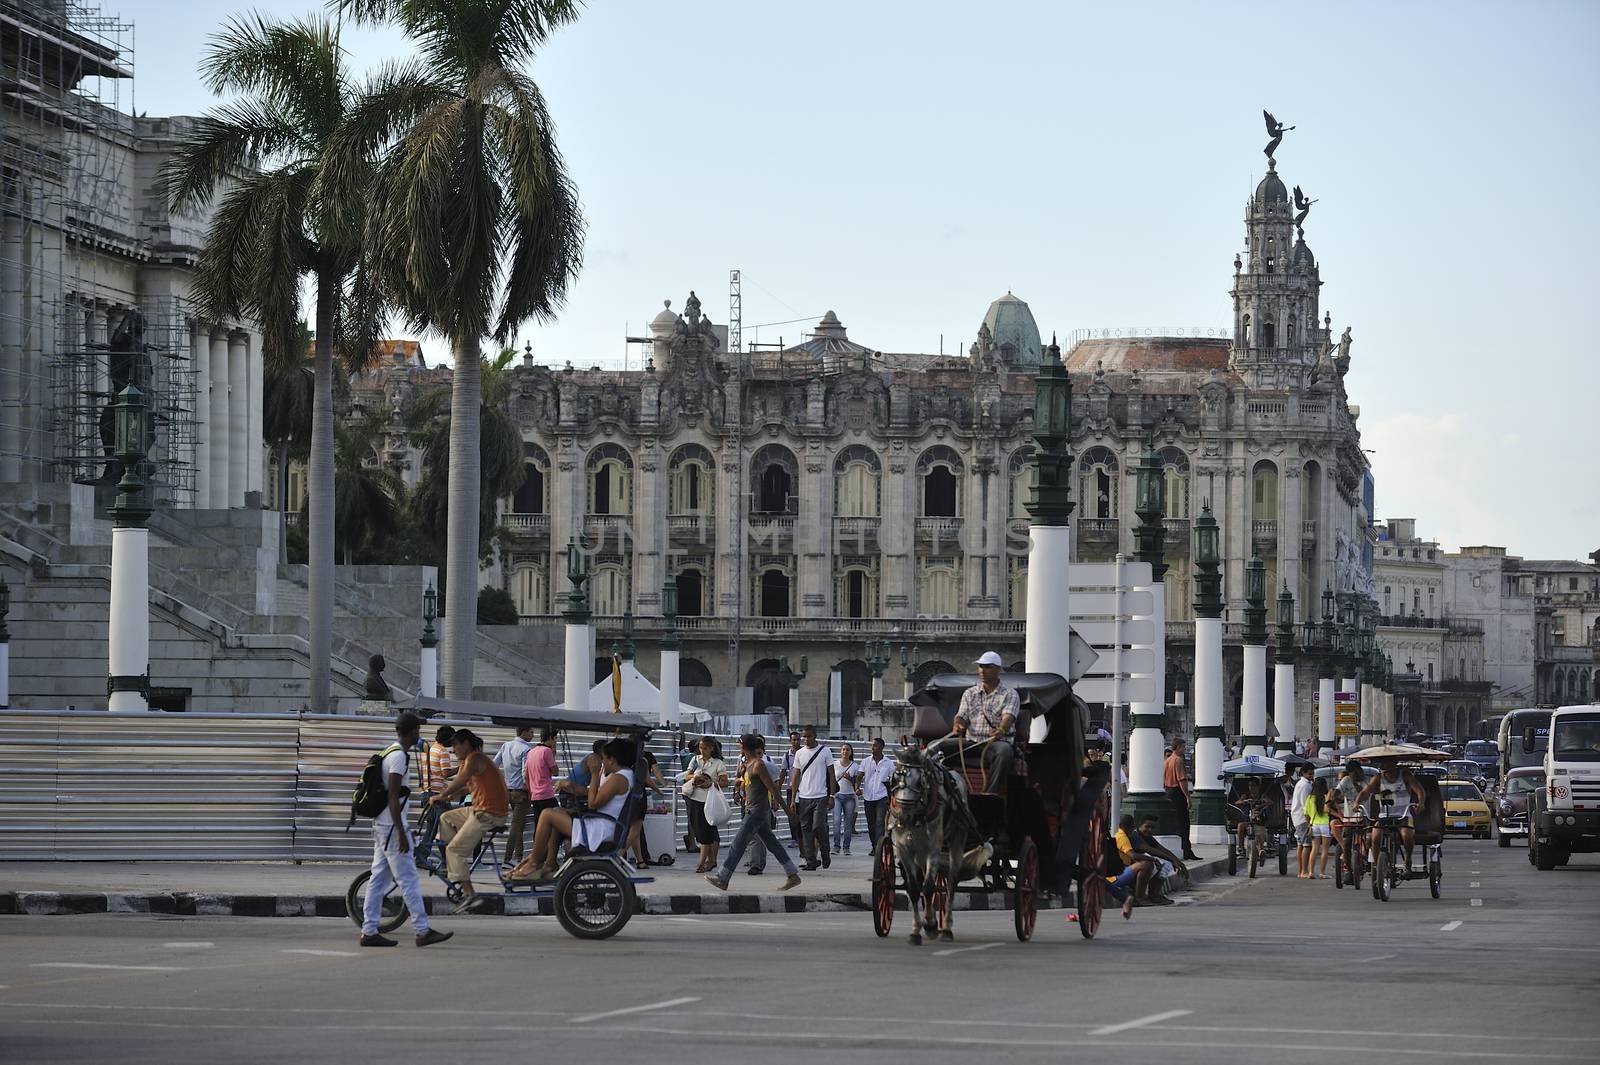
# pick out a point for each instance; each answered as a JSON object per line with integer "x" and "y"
{"x": 97, "y": 965}
{"x": 1451, "y": 927}
{"x": 735, "y": 923}
{"x": 958, "y": 950}
{"x": 648, "y": 1008}
{"x": 1474, "y": 883}
{"x": 1476, "y": 902}
{"x": 324, "y": 953}
{"x": 188, "y": 946}
{"x": 1141, "y": 1022}
{"x": 1378, "y": 957}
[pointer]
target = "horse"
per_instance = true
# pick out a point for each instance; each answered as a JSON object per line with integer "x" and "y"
{"x": 928, "y": 822}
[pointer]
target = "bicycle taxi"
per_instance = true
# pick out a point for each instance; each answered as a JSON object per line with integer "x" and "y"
{"x": 594, "y": 892}
{"x": 1257, "y": 813}
{"x": 1391, "y": 864}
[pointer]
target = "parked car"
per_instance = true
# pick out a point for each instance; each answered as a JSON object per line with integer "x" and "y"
{"x": 1465, "y": 809}
{"x": 1511, "y": 802}
{"x": 1487, "y": 754}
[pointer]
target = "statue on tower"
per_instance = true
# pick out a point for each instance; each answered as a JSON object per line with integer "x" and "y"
{"x": 1302, "y": 207}
{"x": 1275, "y": 130}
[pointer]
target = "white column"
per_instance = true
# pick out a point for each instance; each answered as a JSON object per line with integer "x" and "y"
{"x": 671, "y": 700}
{"x": 877, "y": 688}
{"x": 1327, "y": 736}
{"x": 200, "y": 356}
{"x": 836, "y": 702}
{"x": 255, "y": 449}
{"x": 794, "y": 706}
{"x": 238, "y": 417}
{"x": 219, "y": 420}
{"x": 1283, "y": 681}
{"x": 1207, "y": 714}
{"x": 1253, "y": 707}
{"x": 579, "y": 662}
{"x": 1049, "y": 631}
{"x": 428, "y": 673}
{"x": 129, "y": 642}
{"x": 1146, "y": 741}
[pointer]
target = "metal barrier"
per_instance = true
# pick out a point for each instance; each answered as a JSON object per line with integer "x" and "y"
{"x": 86, "y": 785}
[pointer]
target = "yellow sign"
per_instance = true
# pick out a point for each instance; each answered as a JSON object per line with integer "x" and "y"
{"x": 1346, "y": 715}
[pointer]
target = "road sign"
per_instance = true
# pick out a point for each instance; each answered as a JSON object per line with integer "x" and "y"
{"x": 1104, "y": 575}
{"x": 1106, "y": 690}
{"x": 1346, "y": 714}
{"x": 1105, "y": 634}
{"x": 1111, "y": 604}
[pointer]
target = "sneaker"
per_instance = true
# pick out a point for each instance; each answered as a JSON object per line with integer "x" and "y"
{"x": 468, "y": 904}
{"x": 376, "y": 940}
{"x": 717, "y": 882}
{"x": 754, "y": 871}
{"x": 432, "y": 936}
{"x": 825, "y": 861}
{"x": 811, "y": 867}
{"x": 792, "y": 882}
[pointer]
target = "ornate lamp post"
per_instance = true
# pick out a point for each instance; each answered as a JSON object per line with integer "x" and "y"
{"x": 1207, "y": 813}
{"x": 791, "y": 680}
{"x": 1283, "y": 680}
{"x": 1253, "y": 708}
{"x": 1145, "y": 794}
{"x": 877, "y": 663}
{"x": 1327, "y": 675}
{"x": 578, "y": 660}
{"x": 428, "y": 673}
{"x": 5, "y": 645}
{"x": 671, "y": 655}
{"x": 1049, "y": 632}
{"x": 908, "y": 664}
{"x": 128, "y": 683}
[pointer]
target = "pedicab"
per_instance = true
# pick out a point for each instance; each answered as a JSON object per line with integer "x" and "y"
{"x": 1257, "y": 813}
{"x": 594, "y": 892}
{"x": 1043, "y": 831}
{"x": 1391, "y": 864}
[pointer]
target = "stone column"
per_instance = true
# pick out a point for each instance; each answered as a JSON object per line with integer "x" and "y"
{"x": 255, "y": 446}
{"x": 671, "y": 701}
{"x": 1327, "y": 735}
{"x": 1205, "y": 814}
{"x": 238, "y": 416}
{"x": 577, "y": 664}
{"x": 12, "y": 312}
{"x": 428, "y": 671}
{"x": 129, "y": 643}
{"x": 221, "y": 468}
{"x": 200, "y": 357}
{"x": 813, "y": 528}
{"x": 1253, "y": 707}
{"x": 1146, "y": 740}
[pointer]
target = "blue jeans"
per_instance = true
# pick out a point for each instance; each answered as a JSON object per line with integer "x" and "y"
{"x": 758, "y": 828}
{"x": 844, "y": 821}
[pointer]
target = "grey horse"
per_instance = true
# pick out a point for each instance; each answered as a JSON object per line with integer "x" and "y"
{"x": 929, "y": 822}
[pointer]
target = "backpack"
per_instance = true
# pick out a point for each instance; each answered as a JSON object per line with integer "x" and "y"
{"x": 371, "y": 796}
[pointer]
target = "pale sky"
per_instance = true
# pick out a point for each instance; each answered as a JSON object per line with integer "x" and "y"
{"x": 903, "y": 164}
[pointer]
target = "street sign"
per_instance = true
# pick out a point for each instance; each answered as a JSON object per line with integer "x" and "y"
{"x": 1106, "y": 690}
{"x": 1105, "y": 634}
{"x": 1346, "y": 714}
{"x": 1083, "y": 656}
{"x": 1104, "y": 575}
{"x": 1111, "y": 604}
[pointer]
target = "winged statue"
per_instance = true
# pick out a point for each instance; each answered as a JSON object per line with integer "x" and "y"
{"x": 1275, "y": 130}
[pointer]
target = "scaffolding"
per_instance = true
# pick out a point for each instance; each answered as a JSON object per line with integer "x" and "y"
{"x": 71, "y": 245}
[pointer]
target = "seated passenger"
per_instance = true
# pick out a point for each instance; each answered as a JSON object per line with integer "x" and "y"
{"x": 607, "y": 797}
{"x": 983, "y": 723}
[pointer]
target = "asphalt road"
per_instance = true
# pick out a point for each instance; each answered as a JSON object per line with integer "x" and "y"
{"x": 1506, "y": 967}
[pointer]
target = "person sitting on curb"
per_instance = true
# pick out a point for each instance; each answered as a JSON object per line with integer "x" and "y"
{"x": 1167, "y": 863}
{"x": 1143, "y": 865}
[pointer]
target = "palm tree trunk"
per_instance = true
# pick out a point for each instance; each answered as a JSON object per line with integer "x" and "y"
{"x": 320, "y": 504}
{"x": 283, "y": 502}
{"x": 461, "y": 548}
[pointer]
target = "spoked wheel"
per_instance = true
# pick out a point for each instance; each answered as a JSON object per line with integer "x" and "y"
{"x": 1381, "y": 875}
{"x": 1092, "y": 870}
{"x": 1435, "y": 875}
{"x": 393, "y": 914}
{"x": 936, "y": 901}
{"x": 594, "y": 900}
{"x": 1233, "y": 857}
{"x": 883, "y": 887}
{"x": 1025, "y": 897}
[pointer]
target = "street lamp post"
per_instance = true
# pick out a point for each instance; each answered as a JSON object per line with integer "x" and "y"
{"x": 128, "y": 682}
{"x": 908, "y": 664}
{"x": 791, "y": 680}
{"x": 877, "y": 663}
{"x": 579, "y": 660}
{"x": 1145, "y": 740}
{"x": 1253, "y": 707}
{"x": 1283, "y": 679}
{"x": 1327, "y": 678}
{"x": 671, "y": 660}
{"x": 1049, "y": 505}
{"x": 428, "y": 670}
{"x": 1206, "y": 817}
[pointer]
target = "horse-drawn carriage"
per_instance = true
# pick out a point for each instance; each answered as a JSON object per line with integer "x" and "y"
{"x": 1042, "y": 830}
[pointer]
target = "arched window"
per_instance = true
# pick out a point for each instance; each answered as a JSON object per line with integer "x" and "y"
{"x": 692, "y": 474}
{"x": 692, "y": 673}
{"x": 939, "y": 588}
{"x": 856, "y": 593}
{"x": 691, "y": 592}
{"x": 1248, "y": 337}
{"x": 775, "y": 474}
{"x": 610, "y": 589}
{"x": 939, "y": 473}
{"x": 1269, "y": 333}
{"x": 530, "y": 498}
{"x": 1024, "y": 475}
{"x": 1097, "y": 483}
{"x": 1264, "y": 492}
{"x": 855, "y": 483}
{"x": 528, "y": 588}
{"x": 1175, "y": 482}
{"x": 767, "y": 688}
{"x": 610, "y": 481}
{"x": 775, "y": 598}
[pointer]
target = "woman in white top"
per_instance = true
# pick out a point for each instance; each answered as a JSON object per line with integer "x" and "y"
{"x": 609, "y": 791}
{"x": 706, "y": 771}
{"x": 848, "y": 774}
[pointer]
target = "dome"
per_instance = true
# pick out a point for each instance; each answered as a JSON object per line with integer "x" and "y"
{"x": 664, "y": 322}
{"x": 1302, "y": 254}
{"x": 1011, "y": 326}
{"x": 1271, "y": 190}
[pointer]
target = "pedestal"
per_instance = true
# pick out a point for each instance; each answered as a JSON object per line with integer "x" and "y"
{"x": 1327, "y": 736}
{"x": 577, "y": 667}
{"x": 670, "y": 699}
{"x": 1253, "y": 707}
{"x": 428, "y": 673}
{"x": 1145, "y": 797}
{"x": 1283, "y": 705}
{"x": 129, "y": 657}
{"x": 1206, "y": 815}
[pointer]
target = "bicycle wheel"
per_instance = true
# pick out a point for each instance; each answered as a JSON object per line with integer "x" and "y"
{"x": 1233, "y": 857}
{"x": 1338, "y": 867}
{"x": 1381, "y": 875}
{"x": 1283, "y": 857}
{"x": 1255, "y": 857}
{"x": 393, "y": 914}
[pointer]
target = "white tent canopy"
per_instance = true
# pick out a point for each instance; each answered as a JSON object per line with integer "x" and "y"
{"x": 640, "y": 696}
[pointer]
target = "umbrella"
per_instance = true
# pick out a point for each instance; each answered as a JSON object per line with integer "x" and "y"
{"x": 1407, "y": 751}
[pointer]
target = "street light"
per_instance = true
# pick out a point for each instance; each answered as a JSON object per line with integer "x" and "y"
{"x": 128, "y": 672}
{"x": 5, "y": 645}
{"x": 1285, "y": 622}
{"x": 1207, "y": 562}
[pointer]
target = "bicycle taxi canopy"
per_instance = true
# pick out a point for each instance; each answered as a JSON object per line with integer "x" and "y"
{"x": 513, "y": 715}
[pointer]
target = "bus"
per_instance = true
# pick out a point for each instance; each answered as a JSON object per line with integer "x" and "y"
{"x": 1513, "y": 752}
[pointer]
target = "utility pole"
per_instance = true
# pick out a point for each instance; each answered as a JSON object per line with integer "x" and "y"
{"x": 736, "y": 352}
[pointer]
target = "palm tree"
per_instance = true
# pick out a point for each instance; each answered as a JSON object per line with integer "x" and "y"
{"x": 368, "y": 496}
{"x": 286, "y": 403}
{"x": 284, "y": 214}
{"x": 474, "y": 224}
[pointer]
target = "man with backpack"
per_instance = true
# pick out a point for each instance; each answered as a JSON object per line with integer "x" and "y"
{"x": 392, "y": 860}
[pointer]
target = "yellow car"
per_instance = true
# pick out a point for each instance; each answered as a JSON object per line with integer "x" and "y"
{"x": 1465, "y": 809}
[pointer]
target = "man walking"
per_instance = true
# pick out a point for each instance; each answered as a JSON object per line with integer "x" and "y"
{"x": 811, "y": 794}
{"x": 875, "y": 774}
{"x": 512, "y": 760}
{"x": 1301, "y": 822}
{"x": 1175, "y": 781}
{"x": 392, "y": 861}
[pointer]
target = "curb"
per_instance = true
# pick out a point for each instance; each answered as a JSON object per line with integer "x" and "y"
{"x": 199, "y": 904}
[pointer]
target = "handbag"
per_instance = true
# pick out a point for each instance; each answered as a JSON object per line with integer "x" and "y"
{"x": 718, "y": 812}
{"x": 688, "y": 785}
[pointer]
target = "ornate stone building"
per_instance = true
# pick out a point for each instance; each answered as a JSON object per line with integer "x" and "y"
{"x": 830, "y": 494}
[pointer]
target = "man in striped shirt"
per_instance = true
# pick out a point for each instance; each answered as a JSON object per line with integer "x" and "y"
{"x": 439, "y": 763}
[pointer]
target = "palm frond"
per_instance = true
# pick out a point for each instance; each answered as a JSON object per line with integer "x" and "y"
{"x": 222, "y": 145}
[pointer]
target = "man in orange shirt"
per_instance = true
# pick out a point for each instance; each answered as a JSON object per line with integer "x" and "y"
{"x": 462, "y": 827}
{"x": 1175, "y": 780}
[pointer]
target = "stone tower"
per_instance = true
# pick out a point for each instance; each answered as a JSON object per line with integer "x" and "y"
{"x": 1278, "y": 336}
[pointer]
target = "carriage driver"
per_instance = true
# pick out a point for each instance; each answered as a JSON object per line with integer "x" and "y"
{"x": 987, "y": 713}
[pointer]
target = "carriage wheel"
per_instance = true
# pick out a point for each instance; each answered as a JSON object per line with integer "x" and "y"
{"x": 937, "y": 899}
{"x": 1092, "y": 870}
{"x": 1255, "y": 856}
{"x": 594, "y": 899}
{"x": 1025, "y": 897}
{"x": 883, "y": 888}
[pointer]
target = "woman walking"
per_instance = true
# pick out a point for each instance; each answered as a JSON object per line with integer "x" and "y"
{"x": 1320, "y": 814}
{"x": 848, "y": 773}
{"x": 757, "y": 824}
{"x": 706, "y": 771}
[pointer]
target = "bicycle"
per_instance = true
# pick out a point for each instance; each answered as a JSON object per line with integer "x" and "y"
{"x": 1351, "y": 866}
{"x": 1386, "y": 872}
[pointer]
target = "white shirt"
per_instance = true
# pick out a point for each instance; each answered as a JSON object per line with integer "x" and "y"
{"x": 1297, "y": 804}
{"x": 847, "y": 775}
{"x": 393, "y": 762}
{"x": 811, "y": 772}
{"x": 875, "y": 774}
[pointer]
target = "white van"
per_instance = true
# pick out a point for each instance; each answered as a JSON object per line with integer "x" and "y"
{"x": 1566, "y": 811}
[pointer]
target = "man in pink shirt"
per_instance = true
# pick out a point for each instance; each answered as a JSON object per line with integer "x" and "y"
{"x": 539, "y": 770}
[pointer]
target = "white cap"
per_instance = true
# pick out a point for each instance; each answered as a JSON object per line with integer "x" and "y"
{"x": 989, "y": 658}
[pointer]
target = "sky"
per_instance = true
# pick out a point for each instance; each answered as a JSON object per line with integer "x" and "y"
{"x": 903, "y": 164}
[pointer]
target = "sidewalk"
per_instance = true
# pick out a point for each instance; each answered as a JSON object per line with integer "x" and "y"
{"x": 283, "y": 889}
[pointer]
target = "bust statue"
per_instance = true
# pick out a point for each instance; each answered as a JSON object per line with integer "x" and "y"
{"x": 377, "y": 687}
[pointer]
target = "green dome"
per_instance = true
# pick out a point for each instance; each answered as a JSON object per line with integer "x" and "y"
{"x": 1271, "y": 189}
{"x": 1013, "y": 332}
